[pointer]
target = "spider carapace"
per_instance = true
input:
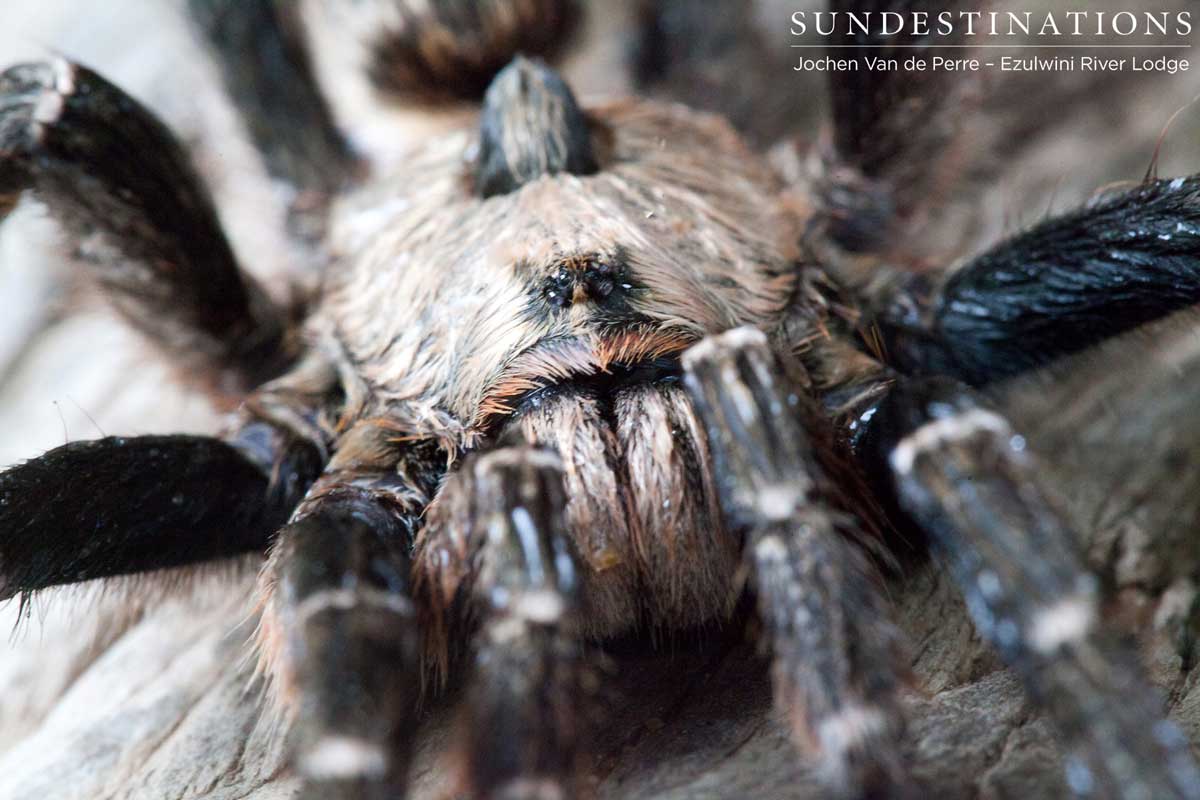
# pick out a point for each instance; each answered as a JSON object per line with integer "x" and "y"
{"x": 574, "y": 371}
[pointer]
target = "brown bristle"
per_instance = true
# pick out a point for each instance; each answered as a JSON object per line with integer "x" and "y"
{"x": 554, "y": 361}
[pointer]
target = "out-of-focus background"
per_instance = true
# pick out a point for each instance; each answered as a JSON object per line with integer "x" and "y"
{"x": 99, "y": 701}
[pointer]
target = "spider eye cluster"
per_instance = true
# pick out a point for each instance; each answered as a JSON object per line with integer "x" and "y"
{"x": 593, "y": 280}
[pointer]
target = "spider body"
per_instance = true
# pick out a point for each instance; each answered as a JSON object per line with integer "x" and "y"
{"x": 576, "y": 371}
{"x": 567, "y": 306}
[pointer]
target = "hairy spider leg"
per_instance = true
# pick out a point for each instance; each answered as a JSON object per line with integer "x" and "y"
{"x": 338, "y": 636}
{"x": 833, "y": 645}
{"x": 963, "y": 475}
{"x": 716, "y": 57}
{"x": 448, "y": 51}
{"x": 118, "y": 506}
{"x": 896, "y": 133}
{"x": 120, "y": 184}
{"x": 524, "y": 717}
{"x": 1060, "y": 287}
{"x": 265, "y": 66}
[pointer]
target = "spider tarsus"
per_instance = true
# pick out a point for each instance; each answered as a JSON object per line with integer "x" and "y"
{"x": 1028, "y": 589}
{"x": 834, "y": 650}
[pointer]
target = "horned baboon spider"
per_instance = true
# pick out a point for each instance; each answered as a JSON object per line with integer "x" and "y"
{"x": 576, "y": 371}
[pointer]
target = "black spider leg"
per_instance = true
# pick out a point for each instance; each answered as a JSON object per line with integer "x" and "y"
{"x": 896, "y": 143}
{"x": 524, "y": 715}
{"x": 963, "y": 475}
{"x": 265, "y": 66}
{"x": 350, "y": 644}
{"x": 122, "y": 187}
{"x": 835, "y": 651}
{"x": 1060, "y": 287}
{"x": 119, "y": 506}
{"x": 339, "y": 631}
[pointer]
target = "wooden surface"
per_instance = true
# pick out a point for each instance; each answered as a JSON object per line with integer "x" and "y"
{"x": 164, "y": 707}
{"x": 161, "y": 709}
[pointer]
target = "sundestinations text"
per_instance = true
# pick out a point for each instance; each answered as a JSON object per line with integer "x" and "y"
{"x": 991, "y": 23}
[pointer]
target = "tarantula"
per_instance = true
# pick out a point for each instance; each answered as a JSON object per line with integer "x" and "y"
{"x": 576, "y": 371}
